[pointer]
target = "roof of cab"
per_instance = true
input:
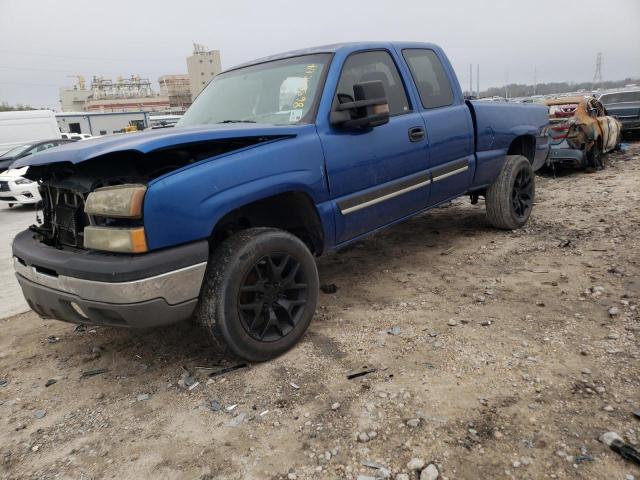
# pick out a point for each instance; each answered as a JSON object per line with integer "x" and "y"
{"x": 334, "y": 48}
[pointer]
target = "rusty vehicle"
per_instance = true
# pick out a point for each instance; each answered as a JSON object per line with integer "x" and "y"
{"x": 581, "y": 132}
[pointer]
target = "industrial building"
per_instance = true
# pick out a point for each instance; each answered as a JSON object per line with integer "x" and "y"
{"x": 135, "y": 94}
{"x": 202, "y": 66}
{"x": 96, "y": 123}
{"x": 176, "y": 89}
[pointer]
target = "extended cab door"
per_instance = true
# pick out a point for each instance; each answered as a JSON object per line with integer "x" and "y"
{"x": 449, "y": 127}
{"x": 376, "y": 175}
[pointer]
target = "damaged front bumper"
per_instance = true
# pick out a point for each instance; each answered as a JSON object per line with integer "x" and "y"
{"x": 88, "y": 287}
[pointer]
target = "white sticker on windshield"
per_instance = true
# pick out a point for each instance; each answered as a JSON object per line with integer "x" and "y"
{"x": 295, "y": 115}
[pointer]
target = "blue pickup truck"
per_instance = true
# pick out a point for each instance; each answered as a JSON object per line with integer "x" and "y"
{"x": 277, "y": 161}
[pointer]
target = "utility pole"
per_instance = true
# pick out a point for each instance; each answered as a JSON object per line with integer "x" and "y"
{"x": 471, "y": 79}
{"x": 535, "y": 80}
{"x": 597, "y": 76}
{"x": 478, "y": 81}
{"x": 506, "y": 85}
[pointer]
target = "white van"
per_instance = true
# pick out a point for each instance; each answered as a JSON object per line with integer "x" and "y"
{"x": 17, "y": 128}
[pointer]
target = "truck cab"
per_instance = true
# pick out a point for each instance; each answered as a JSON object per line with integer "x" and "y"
{"x": 277, "y": 161}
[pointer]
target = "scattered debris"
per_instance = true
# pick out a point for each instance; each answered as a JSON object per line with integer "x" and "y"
{"x": 361, "y": 373}
{"x": 394, "y": 330}
{"x": 414, "y": 422}
{"x": 142, "y": 397}
{"x": 91, "y": 373}
{"x": 415, "y": 464}
{"x": 583, "y": 458}
{"x": 222, "y": 371}
{"x": 53, "y": 339}
{"x": 39, "y": 413}
{"x": 215, "y": 405}
{"x": 637, "y": 414}
{"x": 614, "y": 312}
{"x": 335, "y": 406}
{"x": 187, "y": 382}
{"x": 429, "y": 473}
{"x": 329, "y": 288}
{"x": 237, "y": 420}
{"x": 79, "y": 328}
{"x": 615, "y": 443}
{"x": 50, "y": 382}
{"x": 231, "y": 408}
{"x": 452, "y": 322}
{"x": 294, "y": 385}
{"x": 383, "y": 472}
{"x": 4, "y": 382}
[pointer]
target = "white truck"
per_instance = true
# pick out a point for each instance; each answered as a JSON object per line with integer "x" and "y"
{"x": 17, "y": 128}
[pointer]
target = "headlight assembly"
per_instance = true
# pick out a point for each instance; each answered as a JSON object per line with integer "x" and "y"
{"x": 120, "y": 201}
{"x": 115, "y": 239}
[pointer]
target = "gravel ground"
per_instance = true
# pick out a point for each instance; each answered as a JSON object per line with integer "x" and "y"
{"x": 483, "y": 355}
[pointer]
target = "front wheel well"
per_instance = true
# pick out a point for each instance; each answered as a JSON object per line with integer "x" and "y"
{"x": 524, "y": 145}
{"x": 293, "y": 212}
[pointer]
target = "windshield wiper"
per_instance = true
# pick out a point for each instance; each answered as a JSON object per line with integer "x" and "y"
{"x": 237, "y": 121}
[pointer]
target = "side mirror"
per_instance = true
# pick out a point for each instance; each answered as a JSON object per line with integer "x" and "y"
{"x": 369, "y": 109}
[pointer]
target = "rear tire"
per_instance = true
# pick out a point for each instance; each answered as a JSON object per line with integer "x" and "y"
{"x": 509, "y": 200}
{"x": 595, "y": 158}
{"x": 259, "y": 294}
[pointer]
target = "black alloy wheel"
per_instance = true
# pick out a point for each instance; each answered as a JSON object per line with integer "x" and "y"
{"x": 272, "y": 297}
{"x": 522, "y": 193}
{"x": 259, "y": 293}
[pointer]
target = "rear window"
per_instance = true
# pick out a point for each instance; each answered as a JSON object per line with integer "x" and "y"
{"x": 620, "y": 97}
{"x": 429, "y": 76}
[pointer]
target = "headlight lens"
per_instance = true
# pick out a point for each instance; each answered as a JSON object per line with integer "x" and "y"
{"x": 120, "y": 201}
{"x": 23, "y": 181}
{"x": 115, "y": 239}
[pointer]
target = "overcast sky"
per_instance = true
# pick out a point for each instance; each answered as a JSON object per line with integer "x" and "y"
{"x": 41, "y": 42}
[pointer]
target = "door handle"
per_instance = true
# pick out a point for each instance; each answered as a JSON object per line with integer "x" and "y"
{"x": 416, "y": 134}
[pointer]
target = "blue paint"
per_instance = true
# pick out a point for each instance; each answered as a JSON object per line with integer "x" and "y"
{"x": 328, "y": 164}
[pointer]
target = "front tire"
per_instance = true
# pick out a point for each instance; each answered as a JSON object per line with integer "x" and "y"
{"x": 259, "y": 294}
{"x": 509, "y": 200}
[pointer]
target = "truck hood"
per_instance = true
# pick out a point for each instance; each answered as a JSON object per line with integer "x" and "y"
{"x": 152, "y": 140}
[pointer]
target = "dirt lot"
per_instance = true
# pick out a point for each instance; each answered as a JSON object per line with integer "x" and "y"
{"x": 505, "y": 362}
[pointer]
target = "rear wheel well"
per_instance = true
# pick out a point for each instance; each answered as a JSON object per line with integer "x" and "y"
{"x": 291, "y": 211}
{"x": 524, "y": 145}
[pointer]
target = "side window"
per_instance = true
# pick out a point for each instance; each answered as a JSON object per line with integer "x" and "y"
{"x": 430, "y": 78}
{"x": 44, "y": 146}
{"x": 369, "y": 66}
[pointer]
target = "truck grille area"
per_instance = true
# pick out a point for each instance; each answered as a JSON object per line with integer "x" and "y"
{"x": 64, "y": 217}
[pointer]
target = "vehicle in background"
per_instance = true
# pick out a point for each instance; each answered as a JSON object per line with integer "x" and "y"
{"x": 163, "y": 121}
{"x": 16, "y": 189}
{"x": 75, "y": 136}
{"x": 581, "y": 132}
{"x": 277, "y": 161}
{"x": 18, "y": 128}
{"x": 26, "y": 149}
{"x": 625, "y": 106}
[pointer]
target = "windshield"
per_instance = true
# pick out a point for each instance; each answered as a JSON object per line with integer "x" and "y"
{"x": 620, "y": 97}
{"x": 282, "y": 92}
{"x": 15, "y": 151}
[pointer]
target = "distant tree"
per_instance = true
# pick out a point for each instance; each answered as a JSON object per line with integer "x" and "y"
{"x": 5, "y": 107}
{"x": 521, "y": 90}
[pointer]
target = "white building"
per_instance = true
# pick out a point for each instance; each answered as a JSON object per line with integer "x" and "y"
{"x": 97, "y": 123}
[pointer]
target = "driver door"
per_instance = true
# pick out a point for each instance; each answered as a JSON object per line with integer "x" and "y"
{"x": 376, "y": 175}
